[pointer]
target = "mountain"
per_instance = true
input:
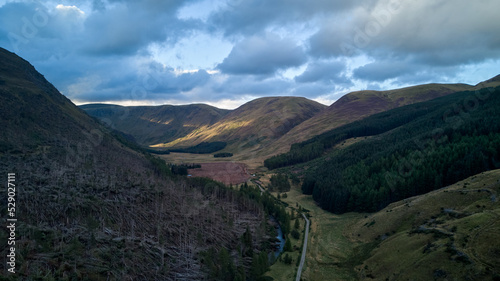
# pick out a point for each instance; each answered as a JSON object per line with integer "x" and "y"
{"x": 400, "y": 153}
{"x": 254, "y": 124}
{"x": 262, "y": 127}
{"x": 357, "y": 105}
{"x": 156, "y": 124}
{"x": 88, "y": 207}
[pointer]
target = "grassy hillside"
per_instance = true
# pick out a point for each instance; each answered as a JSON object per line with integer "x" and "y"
{"x": 254, "y": 124}
{"x": 90, "y": 208}
{"x": 493, "y": 82}
{"x": 357, "y": 105}
{"x": 447, "y": 234}
{"x": 156, "y": 124}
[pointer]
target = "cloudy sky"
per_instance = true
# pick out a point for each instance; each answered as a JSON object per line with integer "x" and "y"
{"x": 227, "y": 52}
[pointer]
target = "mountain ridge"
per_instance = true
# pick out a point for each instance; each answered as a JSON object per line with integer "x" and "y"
{"x": 259, "y": 119}
{"x": 253, "y": 124}
{"x": 357, "y": 105}
{"x": 243, "y": 128}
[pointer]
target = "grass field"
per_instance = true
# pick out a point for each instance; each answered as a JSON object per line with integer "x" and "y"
{"x": 254, "y": 164}
{"x": 329, "y": 250}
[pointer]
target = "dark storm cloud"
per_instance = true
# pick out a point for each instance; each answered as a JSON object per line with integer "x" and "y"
{"x": 383, "y": 70}
{"x": 132, "y": 25}
{"x": 263, "y": 55}
{"x": 94, "y": 57}
{"x": 21, "y": 23}
{"x": 329, "y": 72}
{"x": 403, "y": 36}
{"x": 251, "y": 17}
{"x": 152, "y": 82}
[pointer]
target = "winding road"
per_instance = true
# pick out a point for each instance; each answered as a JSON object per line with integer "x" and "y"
{"x": 304, "y": 249}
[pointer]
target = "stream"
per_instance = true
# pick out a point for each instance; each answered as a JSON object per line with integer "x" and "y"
{"x": 279, "y": 237}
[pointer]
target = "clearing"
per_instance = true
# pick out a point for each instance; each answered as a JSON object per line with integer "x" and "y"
{"x": 226, "y": 172}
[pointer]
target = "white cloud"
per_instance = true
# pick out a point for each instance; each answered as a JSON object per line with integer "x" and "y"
{"x": 69, "y": 9}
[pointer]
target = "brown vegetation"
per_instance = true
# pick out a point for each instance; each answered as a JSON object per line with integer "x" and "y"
{"x": 227, "y": 173}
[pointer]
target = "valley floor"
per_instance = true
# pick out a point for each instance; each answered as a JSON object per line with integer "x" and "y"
{"x": 449, "y": 234}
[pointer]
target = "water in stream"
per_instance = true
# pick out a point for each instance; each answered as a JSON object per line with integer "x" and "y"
{"x": 281, "y": 239}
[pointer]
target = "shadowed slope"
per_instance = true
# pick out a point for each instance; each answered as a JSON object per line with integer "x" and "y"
{"x": 155, "y": 124}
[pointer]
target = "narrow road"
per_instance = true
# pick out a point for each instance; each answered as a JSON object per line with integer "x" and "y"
{"x": 304, "y": 249}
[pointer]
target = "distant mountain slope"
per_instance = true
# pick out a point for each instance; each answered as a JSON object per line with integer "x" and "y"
{"x": 90, "y": 208}
{"x": 404, "y": 152}
{"x": 255, "y": 123}
{"x": 156, "y": 124}
{"x": 357, "y": 105}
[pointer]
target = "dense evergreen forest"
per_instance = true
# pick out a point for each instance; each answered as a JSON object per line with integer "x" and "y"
{"x": 414, "y": 149}
{"x": 279, "y": 182}
{"x": 223, "y": 155}
{"x": 202, "y": 148}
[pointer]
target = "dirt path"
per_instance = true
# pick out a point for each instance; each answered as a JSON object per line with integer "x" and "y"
{"x": 262, "y": 190}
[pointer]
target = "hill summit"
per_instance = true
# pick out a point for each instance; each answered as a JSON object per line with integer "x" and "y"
{"x": 255, "y": 123}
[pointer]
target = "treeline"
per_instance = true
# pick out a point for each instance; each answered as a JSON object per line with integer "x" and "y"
{"x": 252, "y": 260}
{"x": 183, "y": 169}
{"x": 447, "y": 140}
{"x": 271, "y": 206}
{"x": 280, "y": 183}
{"x": 221, "y": 266}
{"x": 373, "y": 125}
{"x": 155, "y": 151}
{"x": 202, "y": 148}
{"x": 217, "y": 261}
{"x": 223, "y": 154}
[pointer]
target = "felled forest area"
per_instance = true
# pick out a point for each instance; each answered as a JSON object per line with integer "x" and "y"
{"x": 125, "y": 221}
{"x": 91, "y": 205}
